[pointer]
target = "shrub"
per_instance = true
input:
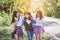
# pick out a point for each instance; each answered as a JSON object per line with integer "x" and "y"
{"x": 5, "y": 19}
{"x": 57, "y": 12}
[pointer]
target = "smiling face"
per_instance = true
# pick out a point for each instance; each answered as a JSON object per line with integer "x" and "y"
{"x": 28, "y": 15}
{"x": 17, "y": 14}
{"x": 39, "y": 14}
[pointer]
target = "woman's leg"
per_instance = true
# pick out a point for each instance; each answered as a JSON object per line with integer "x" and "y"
{"x": 13, "y": 36}
{"x": 30, "y": 35}
{"x": 16, "y": 37}
{"x": 37, "y": 36}
{"x": 40, "y": 36}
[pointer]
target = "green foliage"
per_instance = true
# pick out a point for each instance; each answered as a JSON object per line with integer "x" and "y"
{"x": 49, "y": 14}
{"x": 57, "y": 12}
{"x": 5, "y": 34}
{"x": 2, "y": 2}
{"x": 56, "y": 1}
{"x": 6, "y": 5}
{"x": 5, "y": 19}
{"x": 53, "y": 9}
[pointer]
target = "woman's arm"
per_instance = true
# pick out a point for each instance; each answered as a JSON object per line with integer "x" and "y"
{"x": 16, "y": 20}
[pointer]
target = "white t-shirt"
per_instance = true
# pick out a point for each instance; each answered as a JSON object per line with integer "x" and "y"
{"x": 19, "y": 22}
{"x": 39, "y": 22}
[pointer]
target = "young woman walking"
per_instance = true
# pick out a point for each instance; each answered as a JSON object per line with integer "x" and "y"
{"x": 17, "y": 19}
{"x": 39, "y": 25}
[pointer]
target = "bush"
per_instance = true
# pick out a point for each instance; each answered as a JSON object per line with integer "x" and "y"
{"x": 57, "y": 12}
{"x": 49, "y": 13}
{"x": 6, "y": 5}
{"x": 5, "y": 19}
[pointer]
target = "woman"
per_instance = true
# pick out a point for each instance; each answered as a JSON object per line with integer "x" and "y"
{"x": 18, "y": 21}
{"x": 28, "y": 25}
{"x": 39, "y": 25}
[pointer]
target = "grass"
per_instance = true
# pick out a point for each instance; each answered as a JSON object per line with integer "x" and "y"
{"x": 5, "y": 33}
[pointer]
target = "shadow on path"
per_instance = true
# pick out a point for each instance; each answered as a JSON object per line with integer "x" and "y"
{"x": 50, "y": 23}
{"x": 57, "y": 35}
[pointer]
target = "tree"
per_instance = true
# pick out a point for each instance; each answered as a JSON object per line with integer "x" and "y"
{"x": 6, "y": 5}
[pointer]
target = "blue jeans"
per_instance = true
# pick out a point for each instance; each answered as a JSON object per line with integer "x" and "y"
{"x": 30, "y": 35}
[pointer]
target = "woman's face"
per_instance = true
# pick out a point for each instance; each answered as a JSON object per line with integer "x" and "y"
{"x": 17, "y": 15}
{"x": 27, "y": 16}
{"x": 38, "y": 15}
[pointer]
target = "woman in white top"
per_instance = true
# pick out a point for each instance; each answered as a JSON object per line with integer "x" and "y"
{"x": 38, "y": 25}
{"x": 18, "y": 21}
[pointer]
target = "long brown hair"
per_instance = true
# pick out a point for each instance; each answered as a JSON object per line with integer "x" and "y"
{"x": 40, "y": 14}
{"x": 14, "y": 15}
{"x": 28, "y": 26}
{"x": 28, "y": 13}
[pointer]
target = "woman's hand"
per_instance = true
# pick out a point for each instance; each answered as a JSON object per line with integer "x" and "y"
{"x": 28, "y": 21}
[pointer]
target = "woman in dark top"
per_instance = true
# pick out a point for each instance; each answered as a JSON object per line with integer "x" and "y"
{"x": 28, "y": 25}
